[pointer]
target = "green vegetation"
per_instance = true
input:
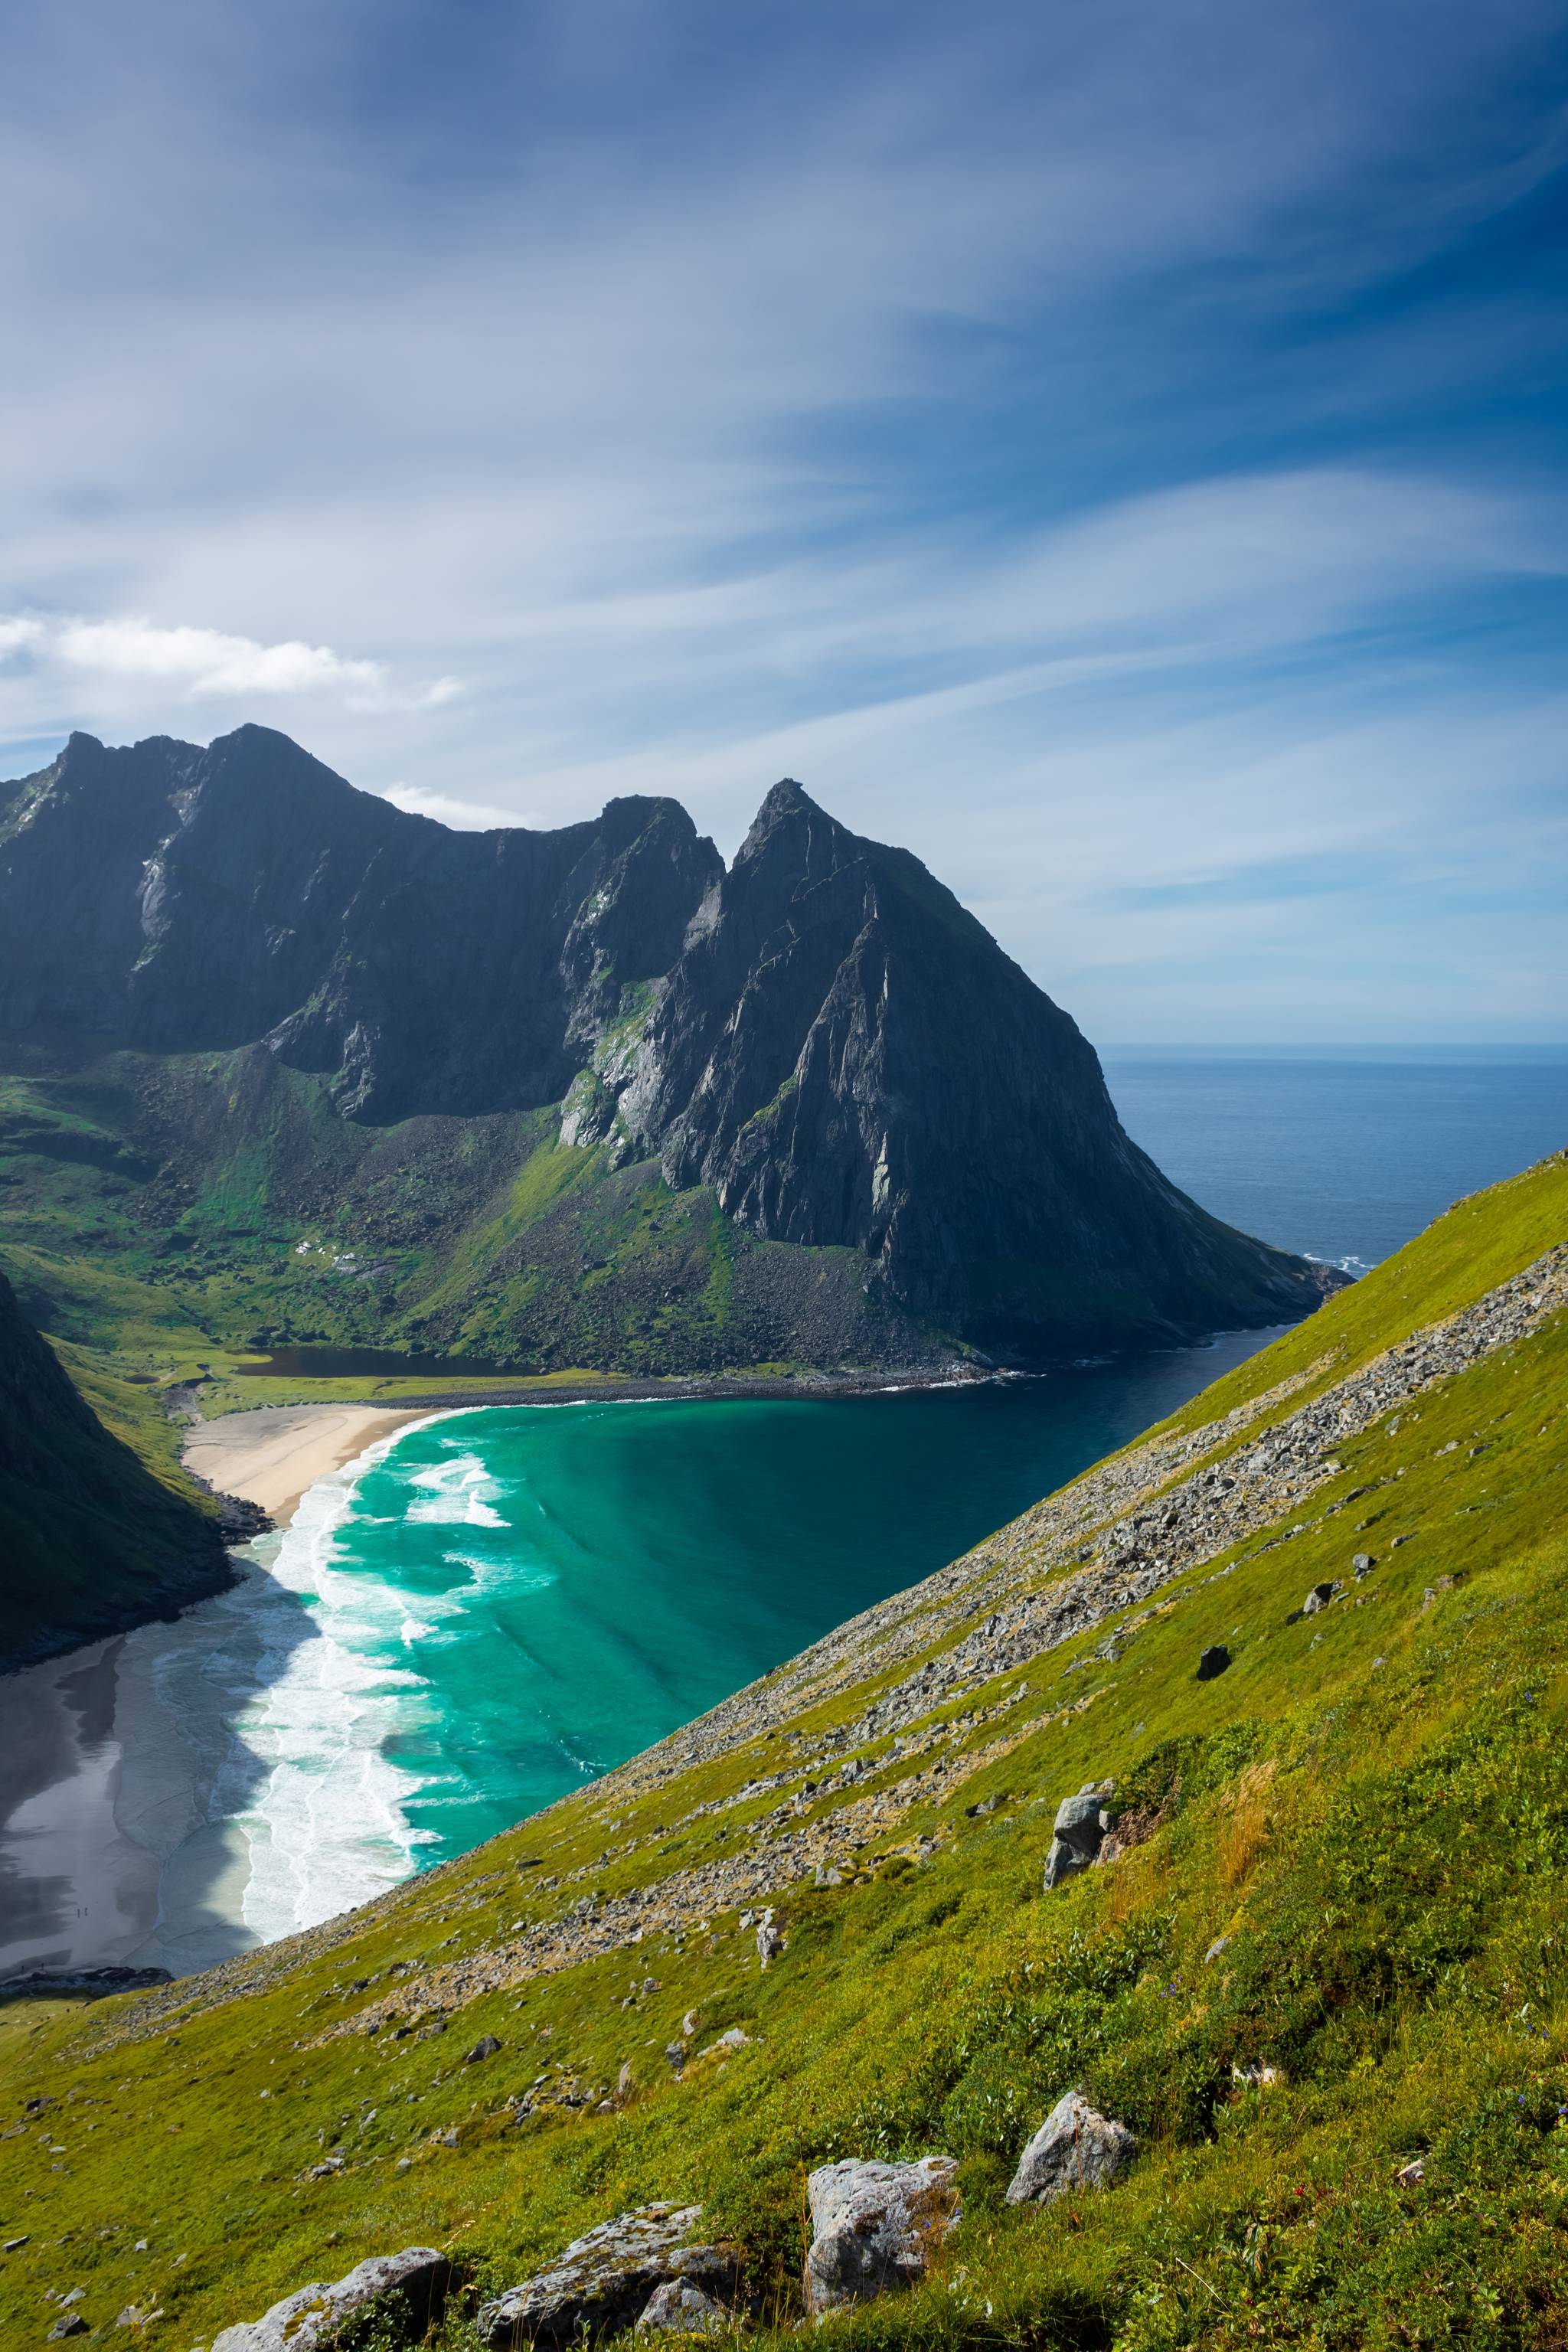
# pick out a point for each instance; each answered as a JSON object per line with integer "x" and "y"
{"x": 1371, "y": 1806}
{"x": 174, "y": 1214}
{"x": 98, "y": 1522}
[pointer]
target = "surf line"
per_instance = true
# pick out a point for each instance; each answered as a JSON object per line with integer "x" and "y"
{"x": 327, "y": 1827}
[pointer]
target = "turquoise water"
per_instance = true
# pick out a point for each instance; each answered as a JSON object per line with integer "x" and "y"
{"x": 472, "y": 1622}
{"x": 499, "y": 1604}
{"x": 507, "y": 1603}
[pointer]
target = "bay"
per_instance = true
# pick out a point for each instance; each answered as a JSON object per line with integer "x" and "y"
{"x": 497, "y": 1604}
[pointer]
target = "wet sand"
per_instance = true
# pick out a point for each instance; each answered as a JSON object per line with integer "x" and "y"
{"x": 125, "y": 1771}
{"x": 115, "y": 1848}
{"x": 271, "y": 1454}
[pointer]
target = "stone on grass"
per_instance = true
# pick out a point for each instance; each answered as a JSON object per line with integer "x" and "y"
{"x": 413, "y": 2281}
{"x": 1318, "y": 1598}
{"x": 1363, "y": 1563}
{"x": 1075, "y": 2147}
{"x": 73, "y": 2323}
{"x": 485, "y": 2049}
{"x": 770, "y": 1938}
{"x": 875, "y": 2226}
{"x": 1213, "y": 1661}
{"x": 1080, "y": 1824}
{"x": 603, "y": 2283}
{"x": 678, "y": 2309}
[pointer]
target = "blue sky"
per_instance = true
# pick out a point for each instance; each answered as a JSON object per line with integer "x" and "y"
{"x": 1116, "y": 450}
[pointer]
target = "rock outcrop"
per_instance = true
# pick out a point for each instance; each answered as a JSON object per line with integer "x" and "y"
{"x": 175, "y": 898}
{"x": 1075, "y": 2147}
{"x": 676, "y": 2308}
{"x": 606, "y": 2280}
{"x": 409, "y": 2285}
{"x": 1081, "y": 1825}
{"x": 876, "y": 2226}
{"x": 849, "y": 1059}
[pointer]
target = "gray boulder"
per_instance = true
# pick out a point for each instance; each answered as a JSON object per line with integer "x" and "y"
{"x": 678, "y": 2309}
{"x": 875, "y": 2226}
{"x": 1318, "y": 1598}
{"x": 604, "y": 2282}
{"x": 416, "y": 2278}
{"x": 1075, "y": 2147}
{"x": 1080, "y": 1824}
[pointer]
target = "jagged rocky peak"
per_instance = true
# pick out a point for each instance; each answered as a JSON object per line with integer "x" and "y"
{"x": 175, "y": 897}
{"x": 821, "y": 1034}
{"x": 849, "y": 1059}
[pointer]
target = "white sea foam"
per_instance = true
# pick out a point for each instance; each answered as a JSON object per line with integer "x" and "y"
{"x": 323, "y": 1808}
{"x": 460, "y": 1494}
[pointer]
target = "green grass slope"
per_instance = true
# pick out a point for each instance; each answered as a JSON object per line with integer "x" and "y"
{"x": 1371, "y": 1806}
{"x": 178, "y": 1211}
{"x": 99, "y": 1527}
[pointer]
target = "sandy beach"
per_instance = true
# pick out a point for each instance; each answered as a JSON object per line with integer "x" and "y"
{"x": 272, "y": 1454}
{"x": 128, "y": 1766}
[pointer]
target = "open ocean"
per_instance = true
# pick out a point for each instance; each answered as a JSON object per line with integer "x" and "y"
{"x": 494, "y": 1605}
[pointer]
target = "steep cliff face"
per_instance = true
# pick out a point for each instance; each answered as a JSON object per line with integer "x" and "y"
{"x": 90, "y": 1539}
{"x": 848, "y": 1057}
{"x": 821, "y": 1039}
{"x": 173, "y": 897}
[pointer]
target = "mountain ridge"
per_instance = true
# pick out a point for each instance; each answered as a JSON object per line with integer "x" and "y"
{"x": 818, "y": 1041}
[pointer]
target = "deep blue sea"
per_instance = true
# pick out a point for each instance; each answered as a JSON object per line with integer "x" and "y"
{"x": 496, "y": 1604}
{"x": 1341, "y": 1154}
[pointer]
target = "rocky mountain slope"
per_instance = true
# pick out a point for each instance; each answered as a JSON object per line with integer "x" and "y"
{"x": 88, "y": 1535}
{"x": 1145, "y": 1932}
{"x": 570, "y": 1098}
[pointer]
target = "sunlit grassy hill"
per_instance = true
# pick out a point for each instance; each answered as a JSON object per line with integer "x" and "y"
{"x": 1369, "y": 1806}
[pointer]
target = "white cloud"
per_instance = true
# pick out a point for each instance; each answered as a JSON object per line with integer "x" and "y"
{"x": 207, "y": 664}
{"x": 448, "y": 808}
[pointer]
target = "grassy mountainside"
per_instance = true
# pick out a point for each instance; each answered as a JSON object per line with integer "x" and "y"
{"x": 178, "y": 1208}
{"x": 1370, "y": 1807}
{"x": 97, "y": 1524}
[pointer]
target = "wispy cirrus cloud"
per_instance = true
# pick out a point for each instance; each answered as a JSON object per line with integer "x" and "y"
{"x": 1106, "y": 448}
